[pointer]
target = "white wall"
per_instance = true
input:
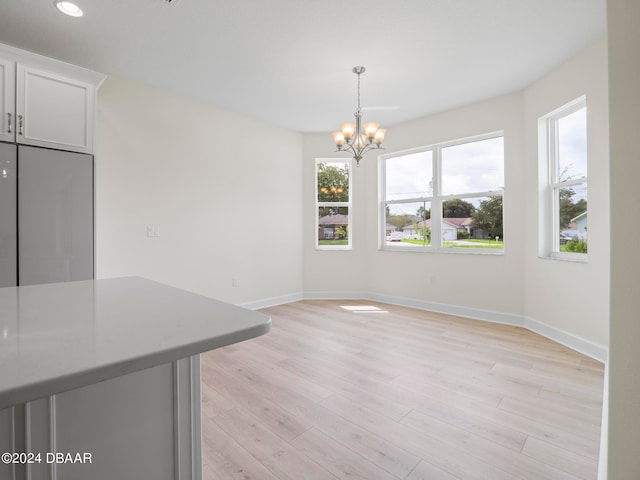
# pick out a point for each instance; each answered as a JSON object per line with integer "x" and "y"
{"x": 571, "y": 296}
{"x": 223, "y": 189}
{"x": 624, "y": 353}
{"x": 553, "y": 297}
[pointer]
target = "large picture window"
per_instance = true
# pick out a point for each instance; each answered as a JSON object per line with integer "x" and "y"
{"x": 563, "y": 180}
{"x": 333, "y": 204}
{"x": 444, "y": 197}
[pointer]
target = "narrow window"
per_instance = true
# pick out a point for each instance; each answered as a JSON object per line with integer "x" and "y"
{"x": 333, "y": 204}
{"x": 563, "y": 175}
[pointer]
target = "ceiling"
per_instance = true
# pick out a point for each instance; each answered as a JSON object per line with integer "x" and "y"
{"x": 289, "y": 62}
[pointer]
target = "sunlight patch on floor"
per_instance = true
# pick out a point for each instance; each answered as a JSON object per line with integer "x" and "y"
{"x": 363, "y": 309}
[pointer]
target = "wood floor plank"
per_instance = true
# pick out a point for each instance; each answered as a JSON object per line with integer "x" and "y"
{"x": 224, "y": 458}
{"x": 374, "y": 448}
{"x": 282, "y": 459}
{"x": 582, "y": 467}
{"x": 392, "y": 407}
{"x": 424, "y": 399}
{"x": 468, "y": 421}
{"x": 426, "y": 471}
{"x": 270, "y": 413}
{"x": 504, "y": 458}
{"x": 450, "y": 458}
{"x": 560, "y": 417}
{"x": 279, "y": 377}
{"x": 213, "y": 402}
{"x": 353, "y": 389}
{"x": 342, "y": 462}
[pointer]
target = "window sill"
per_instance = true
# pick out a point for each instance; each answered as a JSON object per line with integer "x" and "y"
{"x": 566, "y": 257}
{"x": 336, "y": 248}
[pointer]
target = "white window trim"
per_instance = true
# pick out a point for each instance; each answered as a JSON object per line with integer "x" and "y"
{"x": 318, "y": 204}
{"x": 548, "y": 184}
{"x": 435, "y": 200}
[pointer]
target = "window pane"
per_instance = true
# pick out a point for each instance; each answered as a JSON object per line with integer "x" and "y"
{"x": 409, "y": 176}
{"x": 473, "y": 167}
{"x": 333, "y": 182}
{"x": 572, "y": 146}
{"x": 409, "y": 224}
{"x": 572, "y": 217}
{"x": 333, "y": 225}
{"x": 473, "y": 223}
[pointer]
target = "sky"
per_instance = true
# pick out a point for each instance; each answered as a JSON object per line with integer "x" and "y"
{"x": 572, "y": 145}
{"x": 466, "y": 168}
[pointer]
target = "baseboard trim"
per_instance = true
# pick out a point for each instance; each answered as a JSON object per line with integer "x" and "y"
{"x": 272, "y": 302}
{"x": 332, "y": 295}
{"x": 467, "y": 312}
{"x": 574, "y": 342}
{"x": 593, "y": 350}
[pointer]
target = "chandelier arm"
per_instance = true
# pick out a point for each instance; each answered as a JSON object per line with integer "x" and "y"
{"x": 369, "y": 146}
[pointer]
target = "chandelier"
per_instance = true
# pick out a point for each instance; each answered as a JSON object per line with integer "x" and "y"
{"x": 356, "y": 137}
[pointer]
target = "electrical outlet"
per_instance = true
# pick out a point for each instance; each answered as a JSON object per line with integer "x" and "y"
{"x": 235, "y": 282}
{"x": 153, "y": 231}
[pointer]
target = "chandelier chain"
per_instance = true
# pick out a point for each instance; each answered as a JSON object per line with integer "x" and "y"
{"x": 358, "y": 91}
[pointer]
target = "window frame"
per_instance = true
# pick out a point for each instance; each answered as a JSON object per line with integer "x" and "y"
{"x": 550, "y": 185}
{"x": 348, "y": 204}
{"x": 437, "y": 199}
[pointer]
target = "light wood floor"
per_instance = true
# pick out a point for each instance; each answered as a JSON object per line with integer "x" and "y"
{"x": 360, "y": 390}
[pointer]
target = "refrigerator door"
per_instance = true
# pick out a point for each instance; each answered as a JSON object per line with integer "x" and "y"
{"x": 55, "y": 216}
{"x": 8, "y": 216}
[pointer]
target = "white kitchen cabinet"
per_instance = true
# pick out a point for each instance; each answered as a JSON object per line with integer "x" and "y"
{"x": 7, "y": 100}
{"x": 45, "y": 102}
{"x": 53, "y": 110}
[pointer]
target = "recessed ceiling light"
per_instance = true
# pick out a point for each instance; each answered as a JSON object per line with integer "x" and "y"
{"x": 68, "y": 8}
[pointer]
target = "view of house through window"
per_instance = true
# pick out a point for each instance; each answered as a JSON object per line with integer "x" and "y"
{"x": 564, "y": 167}
{"x": 333, "y": 203}
{"x": 445, "y": 196}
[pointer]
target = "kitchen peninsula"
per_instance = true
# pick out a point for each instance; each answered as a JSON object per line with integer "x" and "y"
{"x": 109, "y": 368}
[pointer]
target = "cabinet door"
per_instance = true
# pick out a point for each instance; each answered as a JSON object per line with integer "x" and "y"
{"x": 55, "y": 221}
{"x": 54, "y": 111}
{"x": 7, "y": 100}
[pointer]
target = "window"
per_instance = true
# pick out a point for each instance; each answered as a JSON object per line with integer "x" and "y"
{"x": 333, "y": 204}
{"x": 444, "y": 197}
{"x": 563, "y": 182}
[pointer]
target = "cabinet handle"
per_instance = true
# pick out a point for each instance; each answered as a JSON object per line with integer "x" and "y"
{"x": 9, "y": 125}
{"x": 19, "y": 124}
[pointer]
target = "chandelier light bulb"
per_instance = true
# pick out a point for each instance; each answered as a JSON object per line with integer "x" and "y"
{"x": 379, "y": 136}
{"x": 347, "y": 130}
{"x": 370, "y": 129}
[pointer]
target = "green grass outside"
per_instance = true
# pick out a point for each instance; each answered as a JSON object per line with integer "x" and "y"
{"x": 478, "y": 243}
{"x": 342, "y": 241}
{"x": 416, "y": 242}
{"x": 565, "y": 248}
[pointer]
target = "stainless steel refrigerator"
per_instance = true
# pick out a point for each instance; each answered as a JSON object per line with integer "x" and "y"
{"x": 46, "y": 215}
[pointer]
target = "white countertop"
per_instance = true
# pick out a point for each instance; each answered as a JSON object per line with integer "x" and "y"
{"x": 60, "y": 336}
